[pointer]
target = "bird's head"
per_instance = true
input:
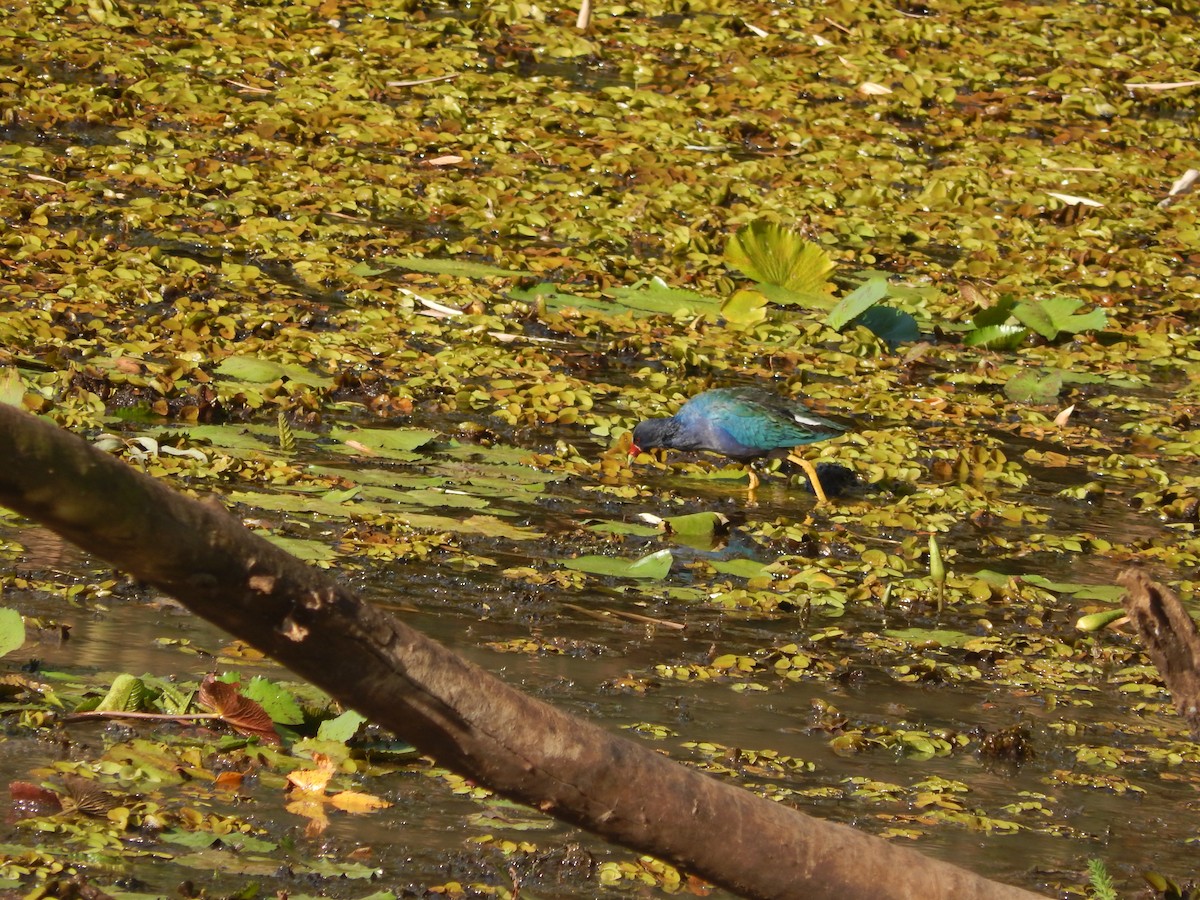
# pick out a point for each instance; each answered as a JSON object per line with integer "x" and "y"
{"x": 642, "y": 439}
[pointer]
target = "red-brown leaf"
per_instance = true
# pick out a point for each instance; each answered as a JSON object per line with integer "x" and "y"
{"x": 239, "y": 713}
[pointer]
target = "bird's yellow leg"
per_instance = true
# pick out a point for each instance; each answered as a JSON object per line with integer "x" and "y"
{"x": 753, "y": 484}
{"x": 812, "y": 476}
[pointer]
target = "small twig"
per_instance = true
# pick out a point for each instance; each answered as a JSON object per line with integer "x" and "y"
{"x": 1160, "y": 85}
{"x": 605, "y": 614}
{"x": 115, "y": 714}
{"x": 841, "y": 28}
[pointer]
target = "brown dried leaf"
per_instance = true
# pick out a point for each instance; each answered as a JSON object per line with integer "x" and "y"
{"x": 239, "y": 713}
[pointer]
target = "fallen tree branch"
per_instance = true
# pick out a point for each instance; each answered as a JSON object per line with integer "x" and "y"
{"x": 447, "y": 707}
{"x": 1170, "y": 637}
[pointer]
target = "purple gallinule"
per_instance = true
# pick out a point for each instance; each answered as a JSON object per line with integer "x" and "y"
{"x": 742, "y": 423}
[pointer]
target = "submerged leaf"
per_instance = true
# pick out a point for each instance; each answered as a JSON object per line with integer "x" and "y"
{"x": 464, "y": 268}
{"x": 893, "y": 326}
{"x": 1034, "y": 386}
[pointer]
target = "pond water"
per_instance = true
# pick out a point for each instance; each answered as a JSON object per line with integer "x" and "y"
{"x": 392, "y": 278}
{"x": 423, "y": 839}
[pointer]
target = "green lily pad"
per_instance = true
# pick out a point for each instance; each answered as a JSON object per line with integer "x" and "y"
{"x": 654, "y": 567}
{"x": 384, "y": 441}
{"x": 1052, "y": 316}
{"x": 856, "y": 303}
{"x": 256, "y": 370}
{"x": 1034, "y": 386}
{"x": 1105, "y": 592}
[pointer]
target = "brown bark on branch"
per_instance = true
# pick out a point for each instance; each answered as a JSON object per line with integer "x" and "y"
{"x": 453, "y": 710}
{"x": 1171, "y": 640}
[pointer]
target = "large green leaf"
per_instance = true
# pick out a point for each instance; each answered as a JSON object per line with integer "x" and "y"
{"x": 857, "y": 302}
{"x": 893, "y": 326}
{"x": 775, "y": 255}
{"x": 1080, "y": 591}
{"x": 656, "y": 296}
{"x": 383, "y": 441}
{"x": 127, "y": 694}
{"x": 654, "y": 567}
{"x": 12, "y": 631}
{"x": 278, "y": 702}
{"x": 1056, "y": 315}
{"x": 745, "y": 308}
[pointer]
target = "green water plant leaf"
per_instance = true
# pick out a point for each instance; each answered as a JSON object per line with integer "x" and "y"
{"x": 12, "y": 631}
{"x": 1037, "y": 386}
{"x": 256, "y": 370}
{"x": 892, "y": 326}
{"x": 464, "y": 268}
{"x": 383, "y": 441}
{"x": 994, "y": 329}
{"x": 857, "y": 302}
{"x": 342, "y": 728}
{"x": 741, "y": 567}
{"x": 1052, "y": 316}
{"x": 776, "y": 255}
{"x": 656, "y": 296}
{"x": 997, "y": 337}
{"x": 745, "y": 308}
{"x": 11, "y": 387}
{"x": 1098, "y": 620}
{"x": 126, "y": 694}
{"x": 922, "y": 636}
{"x": 654, "y": 567}
{"x": 279, "y": 703}
{"x": 701, "y": 524}
{"x": 1105, "y": 592}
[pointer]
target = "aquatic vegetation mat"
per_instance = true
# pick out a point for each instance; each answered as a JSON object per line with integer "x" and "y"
{"x": 394, "y": 281}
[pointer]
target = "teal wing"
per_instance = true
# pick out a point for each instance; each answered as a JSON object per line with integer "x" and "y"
{"x": 768, "y": 421}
